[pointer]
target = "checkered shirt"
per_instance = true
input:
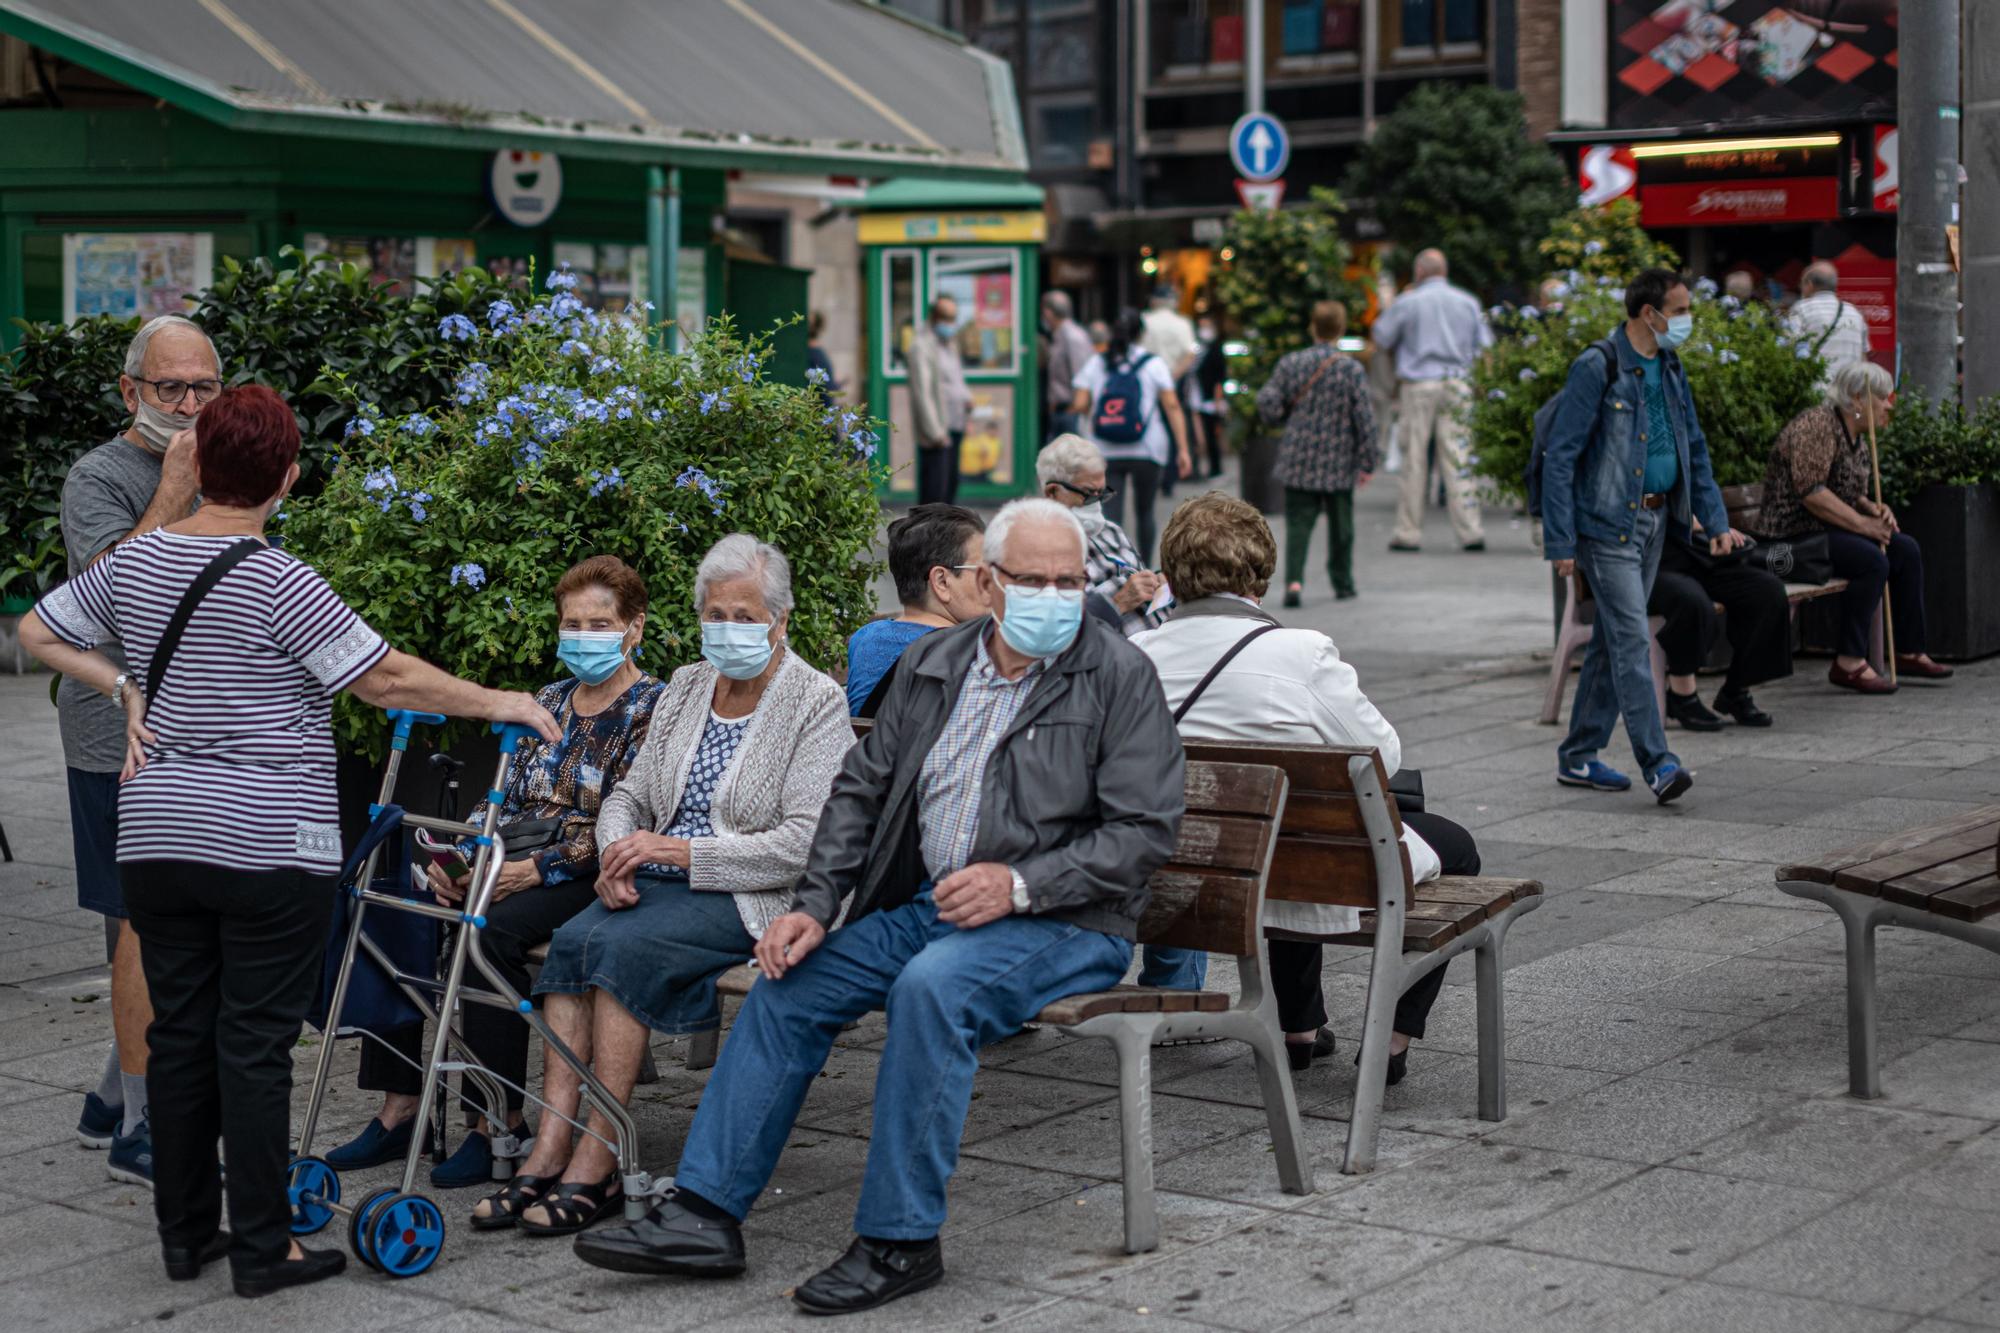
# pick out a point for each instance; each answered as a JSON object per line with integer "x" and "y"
{"x": 949, "y": 787}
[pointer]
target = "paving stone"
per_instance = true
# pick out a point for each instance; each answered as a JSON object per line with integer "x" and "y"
{"x": 965, "y": 1300}
{"x": 1716, "y": 928}
{"x": 1713, "y": 1309}
{"x": 1670, "y": 1221}
{"x": 1621, "y": 1038}
{"x": 78, "y": 952}
{"x": 40, "y": 1237}
{"x": 1792, "y": 1052}
{"x": 1611, "y": 971}
{"x": 1696, "y": 879}
{"x": 1086, "y": 1141}
{"x": 1886, "y": 814}
{"x": 1244, "y": 1169}
{"x": 1640, "y": 1119}
{"x": 1757, "y": 988}
{"x": 1976, "y": 1309}
{"x": 1843, "y": 1145}
{"x": 1890, "y": 1254}
{"x": 1955, "y": 1077}
{"x": 1499, "y": 1290}
{"x": 980, "y": 1192}
{"x": 1063, "y": 1315}
{"x": 1476, "y": 1191}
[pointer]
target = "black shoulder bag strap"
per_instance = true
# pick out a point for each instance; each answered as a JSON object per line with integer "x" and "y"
{"x": 873, "y": 702}
{"x": 1202, "y": 685}
{"x": 212, "y": 573}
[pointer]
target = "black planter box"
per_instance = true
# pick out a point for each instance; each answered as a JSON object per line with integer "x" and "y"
{"x": 1959, "y": 530}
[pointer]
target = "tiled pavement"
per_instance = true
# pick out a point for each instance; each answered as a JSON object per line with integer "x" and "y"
{"x": 1680, "y": 1151}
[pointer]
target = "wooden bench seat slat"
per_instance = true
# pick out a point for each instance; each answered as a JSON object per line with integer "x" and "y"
{"x": 1131, "y": 1000}
{"x": 1974, "y": 901}
{"x": 1871, "y": 877}
{"x": 1916, "y": 890}
{"x": 1823, "y": 870}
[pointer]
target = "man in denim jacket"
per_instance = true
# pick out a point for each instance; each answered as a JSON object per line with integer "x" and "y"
{"x": 1626, "y": 458}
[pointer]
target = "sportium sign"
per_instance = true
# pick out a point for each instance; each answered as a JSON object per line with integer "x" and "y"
{"x": 1721, "y": 182}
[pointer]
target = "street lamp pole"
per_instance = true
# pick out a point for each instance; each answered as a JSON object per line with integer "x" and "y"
{"x": 1979, "y": 242}
{"x": 1253, "y": 55}
{"x": 1927, "y": 118}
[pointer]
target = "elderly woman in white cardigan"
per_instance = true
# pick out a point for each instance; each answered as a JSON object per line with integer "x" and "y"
{"x": 698, "y": 850}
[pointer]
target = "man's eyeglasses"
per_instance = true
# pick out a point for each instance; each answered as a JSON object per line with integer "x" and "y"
{"x": 1089, "y": 497}
{"x": 171, "y": 392}
{"x": 1064, "y": 583}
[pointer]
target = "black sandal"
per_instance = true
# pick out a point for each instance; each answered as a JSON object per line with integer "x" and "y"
{"x": 519, "y": 1193}
{"x": 574, "y": 1206}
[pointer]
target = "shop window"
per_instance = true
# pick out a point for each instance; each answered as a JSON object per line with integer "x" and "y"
{"x": 1319, "y": 34}
{"x": 1434, "y": 29}
{"x": 899, "y": 311}
{"x": 1195, "y": 39}
{"x": 1061, "y": 54}
{"x": 983, "y": 283}
{"x": 1062, "y": 132}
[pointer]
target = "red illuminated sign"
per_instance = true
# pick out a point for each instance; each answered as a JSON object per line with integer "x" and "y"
{"x": 1725, "y": 203}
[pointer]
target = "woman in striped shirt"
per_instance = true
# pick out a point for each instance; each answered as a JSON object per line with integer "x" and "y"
{"x": 229, "y": 837}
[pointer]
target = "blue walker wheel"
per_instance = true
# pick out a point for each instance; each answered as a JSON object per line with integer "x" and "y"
{"x": 359, "y": 1238}
{"x": 311, "y": 1176}
{"x": 405, "y": 1235}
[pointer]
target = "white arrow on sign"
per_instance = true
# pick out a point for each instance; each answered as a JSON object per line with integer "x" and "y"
{"x": 1261, "y": 144}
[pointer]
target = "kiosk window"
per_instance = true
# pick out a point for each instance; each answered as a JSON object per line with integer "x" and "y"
{"x": 983, "y": 284}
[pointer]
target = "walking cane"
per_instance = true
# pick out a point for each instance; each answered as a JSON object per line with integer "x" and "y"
{"x": 1888, "y": 609}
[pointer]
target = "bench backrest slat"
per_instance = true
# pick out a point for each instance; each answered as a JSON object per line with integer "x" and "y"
{"x": 1745, "y": 505}
{"x": 1210, "y": 895}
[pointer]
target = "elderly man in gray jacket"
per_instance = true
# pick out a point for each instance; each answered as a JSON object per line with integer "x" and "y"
{"x": 996, "y": 829}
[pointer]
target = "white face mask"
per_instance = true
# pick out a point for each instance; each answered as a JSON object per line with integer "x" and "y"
{"x": 1091, "y": 516}
{"x": 157, "y": 426}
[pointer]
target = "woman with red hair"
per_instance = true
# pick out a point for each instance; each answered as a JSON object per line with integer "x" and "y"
{"x": 229, "y": 836}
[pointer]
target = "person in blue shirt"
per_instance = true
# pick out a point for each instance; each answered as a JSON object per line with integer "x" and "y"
{"x": 934, "y": 554}
{"x": 1626, "y": 460}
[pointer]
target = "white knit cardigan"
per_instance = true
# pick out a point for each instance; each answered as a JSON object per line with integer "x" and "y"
{"x": 770, "y": 799}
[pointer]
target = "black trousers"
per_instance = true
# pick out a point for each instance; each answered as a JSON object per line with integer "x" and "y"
{"x": 1295, "y": 966}
{"x": 232, "y": 960}
{"x": 1756, "y": 616}
{"x": 1140, "y": 478}
{"x": 1868, "y": 569}
{"x": 937, "y": 472}
{"x": 499, "y": 1039}
{"x": 1208, "y": 439}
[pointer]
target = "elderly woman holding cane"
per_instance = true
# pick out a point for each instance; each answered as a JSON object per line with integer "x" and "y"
{"x": 1818, "y": 481}
{"x": 229, "y": 837}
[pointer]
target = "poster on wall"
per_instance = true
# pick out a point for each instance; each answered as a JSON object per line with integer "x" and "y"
{"x": 690, "y": 288}
{"x": 1724, "y": 60}
{"x": 134, "y": 273}
{"x": 396, "y": 260}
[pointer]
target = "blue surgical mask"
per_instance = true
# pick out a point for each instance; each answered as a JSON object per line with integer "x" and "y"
{"x": 1041, "y": 622}
{"x": 739, "y": 651}
{"x": 1678, "y": 329}
{"x": 945, "y": 330}
{"x": 592, "y": 656}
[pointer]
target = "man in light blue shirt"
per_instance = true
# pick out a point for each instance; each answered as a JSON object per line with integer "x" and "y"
{"x": 1436, "y": 331}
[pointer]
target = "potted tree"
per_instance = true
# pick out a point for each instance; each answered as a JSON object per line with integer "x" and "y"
{"x": 1941, "y": 474}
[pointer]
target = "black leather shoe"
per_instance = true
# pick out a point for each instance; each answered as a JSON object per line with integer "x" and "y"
{"x": 1744, "y": 709}
{"x": 1294, "y": 598}
{"x": 310, "y": 1266}
{"x": 671, "y": 1241}
{"x": 871, "y": 1273}
{"x": 185, "y": 1262}
{"x": 1301, "y": 1054}
{"x": 1399, "y": 1067}
{"x": 1691, "y": 712}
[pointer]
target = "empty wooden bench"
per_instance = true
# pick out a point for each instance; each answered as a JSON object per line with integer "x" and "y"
{"x": 1209, "y": 897}
{"x": 1746, "y": 506}
{"x": 1341, "y": 842}
{"x": 1943, "y": 878}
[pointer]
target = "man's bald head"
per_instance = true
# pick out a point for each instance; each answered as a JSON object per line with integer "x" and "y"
{"x": 1430, "y": 264}
{"x": 1819, "y": 276}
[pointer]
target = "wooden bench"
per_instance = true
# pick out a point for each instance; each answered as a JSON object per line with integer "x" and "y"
{"x": 1210, "y": 896}
{"x": 1341, "y": 843}
{"x": 1943, "y": 878}
{"x": 1746, "y": 506}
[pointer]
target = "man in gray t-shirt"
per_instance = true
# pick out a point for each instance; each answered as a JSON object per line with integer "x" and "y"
{"x": 143, "y": 478}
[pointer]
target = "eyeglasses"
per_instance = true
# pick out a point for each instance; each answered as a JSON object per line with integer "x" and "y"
{"x": 171, "y": 392}
{"x": 1062, "y": 583}
{"x": 1089, "y": 497}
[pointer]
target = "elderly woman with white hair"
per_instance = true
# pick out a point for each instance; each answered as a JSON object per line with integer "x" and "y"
{"x": 698, "y": 850}
{"x": 1818, "y": 480}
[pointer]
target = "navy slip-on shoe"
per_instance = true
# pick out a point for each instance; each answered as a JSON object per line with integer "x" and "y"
{"x": 373, "y": 1146}
{"x": 130, "y": 1161}
{"x": 472, "y": 1164}
{"x": 99, "y": 1123}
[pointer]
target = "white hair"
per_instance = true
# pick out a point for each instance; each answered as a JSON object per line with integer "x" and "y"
{"x": 135, "y": 351}
{"x": 741, "y": 556}
{"x": 1065, "y": 456}
{"x": 1857, "y": 381}
{"x": 1036, "y": 511}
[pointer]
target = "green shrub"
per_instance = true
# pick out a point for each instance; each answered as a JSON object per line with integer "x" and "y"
{"x": 1947, "y": 445}
{"x": 1605, "y": 242}
{"x": 1749, "y": 378}
{"x": 565, "y": 434}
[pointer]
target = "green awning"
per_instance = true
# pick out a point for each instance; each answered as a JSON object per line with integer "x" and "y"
{"x": 910, "y": 195}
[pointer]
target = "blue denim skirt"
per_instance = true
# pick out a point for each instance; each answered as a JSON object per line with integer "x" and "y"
{"x": 659, "y": 958}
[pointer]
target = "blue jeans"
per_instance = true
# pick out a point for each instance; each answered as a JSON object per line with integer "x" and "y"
{"x": 947, "y": 991}
{"x": 1617, "y": 677}
{"x": 1174, "y": 969}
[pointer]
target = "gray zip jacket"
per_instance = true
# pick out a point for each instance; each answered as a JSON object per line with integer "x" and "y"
{"x": 1083, "y": 795}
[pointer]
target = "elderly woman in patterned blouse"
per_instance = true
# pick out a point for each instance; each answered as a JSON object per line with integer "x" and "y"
{"x": 1818, "y": 480}
{"x": 604, "y": 709}
{"x": 1320, "y": 395}
{"x": 698, "y": 848}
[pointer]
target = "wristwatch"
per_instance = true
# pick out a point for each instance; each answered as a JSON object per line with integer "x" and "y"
{"x": 1021, "y": 903}
{"x": 118, "y": 689}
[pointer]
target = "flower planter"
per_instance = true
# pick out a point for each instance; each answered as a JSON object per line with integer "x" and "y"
{"x": 1959, "y": 529}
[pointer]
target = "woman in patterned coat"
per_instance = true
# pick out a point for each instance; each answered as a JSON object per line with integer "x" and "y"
{"x": 1320, "y": 396}
{"x": 698, "y": 850}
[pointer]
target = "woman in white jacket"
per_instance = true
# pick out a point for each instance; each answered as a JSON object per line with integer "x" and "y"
{"x": 1289, "y": 685}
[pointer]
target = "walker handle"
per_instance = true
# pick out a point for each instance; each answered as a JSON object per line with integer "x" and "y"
{"x": 512, "y": 735}
{"x": 406, "y": 719}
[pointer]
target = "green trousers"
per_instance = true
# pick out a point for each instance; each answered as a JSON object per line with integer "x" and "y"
{"x": 1302, "y": 510}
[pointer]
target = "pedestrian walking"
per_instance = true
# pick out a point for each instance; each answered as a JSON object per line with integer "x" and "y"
{"x": 1069, "y": 350}
{"x": 1136, "y": 422}
{"x": 1170, "y": 336}
{"x": 1436, "y": 331}
{"x": 1320, "y": 395}
{"x": 940, "y": 402}
{"x": 1205, "y": 399}
{"x": 1836, "y": 331}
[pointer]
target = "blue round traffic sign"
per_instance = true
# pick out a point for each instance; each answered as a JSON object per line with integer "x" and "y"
{"x": 1259, "y": 146}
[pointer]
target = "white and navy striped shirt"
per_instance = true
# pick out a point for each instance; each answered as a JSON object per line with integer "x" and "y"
{"x": 242, "y": 775}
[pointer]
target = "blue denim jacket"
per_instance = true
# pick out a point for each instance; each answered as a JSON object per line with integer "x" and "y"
{"x": 1593, "y": 472}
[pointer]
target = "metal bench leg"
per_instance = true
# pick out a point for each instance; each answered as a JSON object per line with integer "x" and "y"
{"x": 1489, "y": 962}
{"x": 702, "y": 1047}
{"x": 1864, "y": 1074}
{"x": 1378, "y": 1029}
{"x": 1281, "y": 1105}
{"x": 1134, "y": 1041}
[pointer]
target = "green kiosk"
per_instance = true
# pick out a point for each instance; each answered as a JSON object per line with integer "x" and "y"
{"x": 979, "y": 244}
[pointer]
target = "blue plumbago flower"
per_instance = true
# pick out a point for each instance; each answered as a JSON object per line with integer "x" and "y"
{"x": 417, "y": 501}
{"x": 471, "y": 382}
{"x": 715, "y": 402}
{"x": 655, "y": 414}
{"x": 499, "y": 313}
{"x": 1529, "y": 312}
{"x": 600, "y": 482}
{"x": 1531, "y": 340}
{"x": 697, "y": 479}
{"x": 1495, "y": 311}
{"x": 418, "y": 425}
{"x": 509, "y": 601}
{"x": 1705, "y": 288}
{"x": 471, "y": 575}
{"x": 360, "y": 425}
{"x": 457, "y": 328}
{"x": 1561, "y": 290}
{"x": 604, "y": 365}
{"x": 565, "y": 306}
{"x": 1603, "y": 279}
{"x": 1784, "y": 342}
{"x": 1593, "y": 247}
{"x": 863, "y": 442}
{"x": 1731, "y": 303}
{"x": 1527, "y": 374}
{"x": 1496, "y": 395}
{"x": 560, "y": 279}
{"x": 815, "y": 375}
{"x": 381, "y": 479}
{"x": 1616, "y": 293}
{"x": 1727, "y": 357}
{"x": 573, "y": 347}
{"x": 746, "y": 368}
{"x": 1803, "y": 352}
{"x": 529, "y": 455}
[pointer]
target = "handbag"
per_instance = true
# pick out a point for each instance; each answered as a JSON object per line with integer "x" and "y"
{"x": 374, "y": 1003}
{"x": 524, "y": 837}
{"x": 1806, "y": 558}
